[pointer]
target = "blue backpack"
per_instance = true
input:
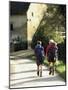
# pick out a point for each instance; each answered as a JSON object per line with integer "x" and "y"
{"x": 39, "y": 50}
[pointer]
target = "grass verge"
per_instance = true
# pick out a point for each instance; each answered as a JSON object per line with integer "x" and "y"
{"x": 60, "y": 68}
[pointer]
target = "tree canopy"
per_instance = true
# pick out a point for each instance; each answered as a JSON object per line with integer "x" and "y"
{"x": 52, "y": 25}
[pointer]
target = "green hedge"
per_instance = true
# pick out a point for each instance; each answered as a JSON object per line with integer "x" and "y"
{"x": 62, "y": 51}
{"x": 20, "y": 46}
{"x": 39, "y": 36}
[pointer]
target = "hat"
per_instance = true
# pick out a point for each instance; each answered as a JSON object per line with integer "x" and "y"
{"x": 51, "y": 41}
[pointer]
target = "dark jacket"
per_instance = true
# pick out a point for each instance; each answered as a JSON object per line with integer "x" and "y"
{"x": 39, "y": 52}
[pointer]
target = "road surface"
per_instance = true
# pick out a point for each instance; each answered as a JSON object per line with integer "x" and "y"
{"x": 23, "y": 74}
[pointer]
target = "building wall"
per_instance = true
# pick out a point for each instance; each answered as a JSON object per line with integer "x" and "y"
{"x": 19, "y": 26}
{"x": 34, "y": 16}
{"x": 19, "y": 23}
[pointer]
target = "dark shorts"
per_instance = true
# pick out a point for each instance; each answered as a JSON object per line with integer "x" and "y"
{"x": 39, "y": 61}
{"x": 51, "y": 59}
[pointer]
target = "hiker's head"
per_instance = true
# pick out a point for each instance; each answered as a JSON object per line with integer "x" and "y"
{"x": 39, "y": 42}
{"x": 51, "y": 41}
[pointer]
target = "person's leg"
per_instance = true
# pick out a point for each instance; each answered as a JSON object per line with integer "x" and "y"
{"x": 40, "y": 67}
{"x": 50, "y": 68}
{"x": 53, "y": 68}
{"x": 38, "y": 70}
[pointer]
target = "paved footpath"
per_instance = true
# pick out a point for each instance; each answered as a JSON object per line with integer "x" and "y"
{"x": 23, "y": 74}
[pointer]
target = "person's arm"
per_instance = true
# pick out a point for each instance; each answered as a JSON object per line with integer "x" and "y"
{"x": 47, "y": 50}
{"x": 43, "y": 54}
{"x": 35, "y": 50}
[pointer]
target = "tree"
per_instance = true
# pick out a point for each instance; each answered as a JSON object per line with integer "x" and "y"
{"x": 52, "y": 25}
{"x": 54, "y": 22}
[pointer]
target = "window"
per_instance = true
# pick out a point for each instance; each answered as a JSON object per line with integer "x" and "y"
{"x": 11, "y": 27}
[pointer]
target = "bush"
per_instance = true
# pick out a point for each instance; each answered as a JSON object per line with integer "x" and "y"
{"x": 39, "y": 35}
{"x": 19, "y": 44}
{"x": 62, "y": 51}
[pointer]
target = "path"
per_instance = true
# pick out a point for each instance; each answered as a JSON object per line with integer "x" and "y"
{"x": 23, "y": 74}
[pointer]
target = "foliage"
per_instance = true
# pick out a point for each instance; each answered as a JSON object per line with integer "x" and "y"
{"x": 39, "y": 35}
{"x": 19, "y": 44}
{"x": 62, "y": 51}
{"x": 54, "y": 23}
{"x": 51, "y": 26}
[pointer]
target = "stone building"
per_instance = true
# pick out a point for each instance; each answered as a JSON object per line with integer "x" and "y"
{"x": 25, "y": 25}
{"x": 18, "y": 24}
{"x": 35, "y": 14}
{"x": 19, "y": 27}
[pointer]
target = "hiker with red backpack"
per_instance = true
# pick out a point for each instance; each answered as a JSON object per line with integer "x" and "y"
{"x": 51, "y": 54}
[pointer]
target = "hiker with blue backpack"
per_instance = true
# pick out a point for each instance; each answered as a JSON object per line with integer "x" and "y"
{"x": 39, "y": 53}
{"x": 51, "y": 54}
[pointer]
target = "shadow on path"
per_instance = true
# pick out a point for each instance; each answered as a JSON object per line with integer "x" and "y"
{"x": 30, "y": 79}
{"x": 23, "y": 78}
{"x": 28, "y": 71}
{"x": 49, "y": 79}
